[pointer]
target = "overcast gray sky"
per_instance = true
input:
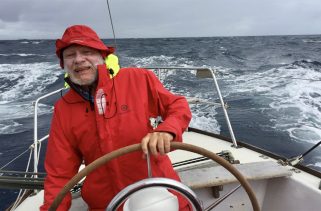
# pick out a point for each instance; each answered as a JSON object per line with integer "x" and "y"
{"x": 37, "y": 19}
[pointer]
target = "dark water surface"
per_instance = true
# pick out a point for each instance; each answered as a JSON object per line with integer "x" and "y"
{"x": 271, "y": 83}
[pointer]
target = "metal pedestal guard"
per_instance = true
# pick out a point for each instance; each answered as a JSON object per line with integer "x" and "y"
{"x": 136, "y": 147}
{"x": 154, "y": 182}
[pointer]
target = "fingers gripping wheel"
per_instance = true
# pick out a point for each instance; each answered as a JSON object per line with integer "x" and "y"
{"x": 152, "y": 200}
{"x": 136, "y": 147}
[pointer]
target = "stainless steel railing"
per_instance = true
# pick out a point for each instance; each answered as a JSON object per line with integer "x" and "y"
{"x": 35, "y": 131}
{"x": 211, "y": 75}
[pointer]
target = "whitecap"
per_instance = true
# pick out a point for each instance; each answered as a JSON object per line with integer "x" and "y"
{"x": 204, "y": 123}
{"x": 315, "y": 162}
{"x": 21, "y": 110}
{"x": 203, "y": 117}
{"x": 305, "y": 133}
{"x": 27, "y": 80}
{"x": 11, "y": 113}
{"x": 21, "y": 54}
{"x": 318, "y": 164}
{"x": 311, "y": 41}
{"x": 25, "y": 54}
{"x": 296, "y": 107}
{"x": 292, "y": 105}
{"x": 11, "y": 127}
{"x": 160, "y": 60}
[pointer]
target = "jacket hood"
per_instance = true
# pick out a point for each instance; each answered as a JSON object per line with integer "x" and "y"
{"x": 81, "y": 35}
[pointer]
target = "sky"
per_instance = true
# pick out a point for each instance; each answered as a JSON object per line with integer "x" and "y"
{"x": 44, "y": 19}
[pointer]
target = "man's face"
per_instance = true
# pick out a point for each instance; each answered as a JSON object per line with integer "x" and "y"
{"x": 81, "y": 64}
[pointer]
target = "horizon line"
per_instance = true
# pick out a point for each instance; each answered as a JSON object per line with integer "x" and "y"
{"x": 176, "y": 37}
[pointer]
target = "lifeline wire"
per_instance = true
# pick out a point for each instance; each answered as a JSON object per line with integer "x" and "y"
{"x": 295, "y": 160}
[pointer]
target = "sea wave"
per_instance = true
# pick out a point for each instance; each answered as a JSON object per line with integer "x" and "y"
{"x": 16, "y": 110}
{"x": 12, "y": 114}
{"x": 296, "y": 104}
{"x": 316, "y": 65}
{"x": 311, "y": 41}
{"x": 205, "y": 119}
{"x": 20, "y": 86}
{"x": 19, "y": 110}
{"x": 318, "y": 164}
{"x": 21, "y": 54}
{"x": 10, "y": 127}
{"x": 316, "y": 161}
{"x": 160, "y": 60}
{"x": 22, "y": 81}
{"x": 287, "y": 95}
{"x": 30, "y": 42}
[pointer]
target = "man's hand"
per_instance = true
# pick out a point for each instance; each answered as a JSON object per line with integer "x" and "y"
{"x": 157, "y": 142}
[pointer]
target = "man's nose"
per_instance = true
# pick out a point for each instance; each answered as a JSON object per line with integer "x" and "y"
{"x": 79, "y": 57}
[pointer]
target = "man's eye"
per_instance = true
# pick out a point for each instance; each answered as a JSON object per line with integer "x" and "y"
{"x": 87, "y": 52}
{"x": 70, "y": 55}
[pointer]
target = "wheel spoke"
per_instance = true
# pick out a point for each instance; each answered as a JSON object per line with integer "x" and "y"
{"x": 218, "y": 201}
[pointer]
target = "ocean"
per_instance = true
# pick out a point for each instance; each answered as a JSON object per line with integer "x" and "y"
{"x": 272, "y": 85}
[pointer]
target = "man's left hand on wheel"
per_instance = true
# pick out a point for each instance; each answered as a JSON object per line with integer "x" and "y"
{"x": 157, "y": 142}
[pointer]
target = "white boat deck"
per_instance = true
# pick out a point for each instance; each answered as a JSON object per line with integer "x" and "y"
{"x": 200, "y": 177}
{"x": 277, "y": 187}
{"x": 242, "y": 154}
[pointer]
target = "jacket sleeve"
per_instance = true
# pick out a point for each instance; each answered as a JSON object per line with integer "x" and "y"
{"x": 173, "y": 109}
{"x": 61, "y": 163}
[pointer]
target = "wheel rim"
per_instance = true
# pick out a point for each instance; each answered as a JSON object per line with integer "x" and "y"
{"x": 136, "y": 147}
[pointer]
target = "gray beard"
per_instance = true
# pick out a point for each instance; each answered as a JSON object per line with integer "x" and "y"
{"x": 88, "y": 83}
{"x": 80, "y": 82}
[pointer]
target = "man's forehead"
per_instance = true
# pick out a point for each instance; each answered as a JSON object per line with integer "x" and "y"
{"x": 74, "y": 47}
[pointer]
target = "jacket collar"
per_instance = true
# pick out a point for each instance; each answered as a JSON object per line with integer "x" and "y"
{"x": 76, "y": 93}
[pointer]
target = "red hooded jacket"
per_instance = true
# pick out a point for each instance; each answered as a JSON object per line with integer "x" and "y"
{"x": 78, "y": 132}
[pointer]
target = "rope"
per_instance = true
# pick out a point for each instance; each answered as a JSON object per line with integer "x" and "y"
{"x": 19, "y": 198}
{"x": 14, "y": 159}
{"x": 112, "y": 25}
{"x": 136, "y": 147}
{"x": 39, "y": 143}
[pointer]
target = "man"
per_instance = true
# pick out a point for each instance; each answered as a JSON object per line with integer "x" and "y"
{"x": 103, "y": 111}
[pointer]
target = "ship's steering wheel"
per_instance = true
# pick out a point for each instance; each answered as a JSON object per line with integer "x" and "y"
{"x": 174, "y": 145}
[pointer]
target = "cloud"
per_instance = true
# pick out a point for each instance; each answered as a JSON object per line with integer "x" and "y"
{"x": 167, "y": 18}
{"x": 10, "y": 10}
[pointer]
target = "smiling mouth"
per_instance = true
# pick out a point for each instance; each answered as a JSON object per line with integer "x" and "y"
{"x": 81, "y": 69}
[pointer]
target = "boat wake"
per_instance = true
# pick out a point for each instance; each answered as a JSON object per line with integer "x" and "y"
{"x": 21, "y": 84}
{"x": 287, "y": 94}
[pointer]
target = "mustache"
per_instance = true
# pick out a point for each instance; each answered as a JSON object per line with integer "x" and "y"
{"x": 80, "y": 68}
{"x": 84, "y": 67}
